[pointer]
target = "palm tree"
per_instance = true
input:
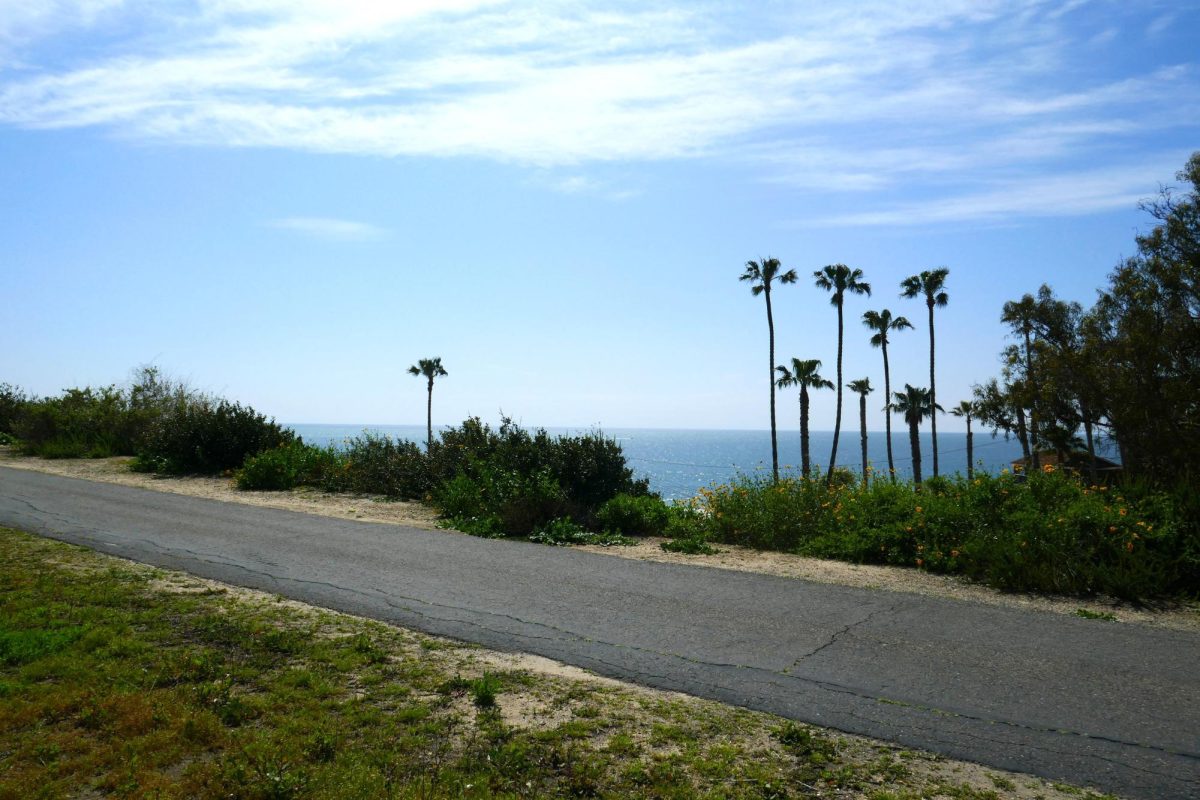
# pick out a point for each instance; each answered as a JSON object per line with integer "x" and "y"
{"x": 839, "y": 279}
{"x": 882, "y": 323}
{"x": 761, "y": 274}
{"x": 431, "y": 368}
{"x": 966, "y": 409}
{"x": 915, "y": 403}
{"x": 863, "y": 387}
{"x": 931, "y": 284}
{"x": 803, "y": 374}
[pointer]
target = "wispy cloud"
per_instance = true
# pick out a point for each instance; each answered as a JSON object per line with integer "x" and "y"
{"x": 337, "y": 230}
{"x": 1054, "y": 196}
{"x": 845, "y": 99}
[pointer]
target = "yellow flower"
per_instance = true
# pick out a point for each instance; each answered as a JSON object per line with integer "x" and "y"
{"x": 918, "y": 509}
{"x": 1121, "y": 511}
{"x": 1112, "y": 528}
{"x": 954, "y": 554}
{"x": 1129, "y": 546}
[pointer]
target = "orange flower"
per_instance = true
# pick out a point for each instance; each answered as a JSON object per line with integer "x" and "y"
{"x": 920, "y": 562}
{"x": 918, "y": 509}
{"x": 1129, "y": 546}
{"x": 954, "y": 554}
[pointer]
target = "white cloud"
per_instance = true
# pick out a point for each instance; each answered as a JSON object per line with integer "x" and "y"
{"x": 1058, "y": 195}
{"x": 816, "y": 95}
{"x": 328, "y": 229}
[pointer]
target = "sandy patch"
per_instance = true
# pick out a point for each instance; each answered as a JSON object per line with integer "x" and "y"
{"x": 367, "y": 508}
{"x": 1177, "y": 616}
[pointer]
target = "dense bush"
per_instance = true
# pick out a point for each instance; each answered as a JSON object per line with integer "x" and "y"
{"x": 634, "y": 516}
{"x": 375, "y": 464}
{"x": 82, "y": 422}
{"x": 13, "y": 401}
{"x": 287, "y": 466}
{"x": 511, "y": 480}
{"x": 204, "y": 435}
{"x": 1049, "y": 532}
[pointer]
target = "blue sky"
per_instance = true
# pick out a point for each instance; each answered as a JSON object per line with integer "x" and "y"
{"x": 291, "y": 202}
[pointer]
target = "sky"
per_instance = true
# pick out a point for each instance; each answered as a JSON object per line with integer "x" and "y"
{"x": 289, "y": 202}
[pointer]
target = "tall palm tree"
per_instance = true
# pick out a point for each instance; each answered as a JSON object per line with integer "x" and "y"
{"x": 915, "y": 403}
{"x": 431, "y": 368}
{"x": 931, "y": 284}
{"x": 967, "y": 410}
{"x": 761, "y": 274}
{"x": 839, "y": 279}
{"x": 803, "y": 374}
{"x": 883, "y": 323}
{"x": 863, "y": 387}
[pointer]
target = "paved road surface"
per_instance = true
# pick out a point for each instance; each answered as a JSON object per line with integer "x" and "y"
{"x": 1107, "y": 705}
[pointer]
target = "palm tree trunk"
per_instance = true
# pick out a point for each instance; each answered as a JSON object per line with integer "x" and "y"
{"x": 837, "y": 424}
{"x": 970, "y": 450}
{"x": 887, "y": 417}
{"x": 771, "y": 383}
{"x": 805, "y": 461}
{"x": 862, "y": 423}
{"x": 932, "y": 392}
{"x": 429, "y": 419}
{"x": 914, "y": 441}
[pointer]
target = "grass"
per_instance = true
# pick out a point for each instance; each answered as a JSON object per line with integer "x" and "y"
{"x": 121, "y": 680}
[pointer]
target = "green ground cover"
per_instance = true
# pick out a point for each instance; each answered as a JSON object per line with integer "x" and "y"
{"x": 124, "y": 681}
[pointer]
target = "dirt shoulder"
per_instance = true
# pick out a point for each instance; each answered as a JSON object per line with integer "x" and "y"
{"x": 381, "y": 510}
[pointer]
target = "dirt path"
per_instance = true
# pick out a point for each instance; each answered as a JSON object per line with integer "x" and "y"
{"x": 381, "y": 510}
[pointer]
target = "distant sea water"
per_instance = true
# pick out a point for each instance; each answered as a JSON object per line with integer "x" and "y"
{"x": 681, "y": 462}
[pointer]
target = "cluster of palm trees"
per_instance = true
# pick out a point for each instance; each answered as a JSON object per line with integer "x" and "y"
{"x": 914, "y": 403}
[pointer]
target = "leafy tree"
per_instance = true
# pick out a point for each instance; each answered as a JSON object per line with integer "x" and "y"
{"x": 803, "y": 374}
{"x": 1020, "y": 315}
{"x": 839, "y": 279}
{"x": 915, "y": 403}
{"x": 883, "y": 323}
{"x": 761, "y": 274}
{"x": 430, "y": 368}
{"x": 931, "y": 284}
{"x": 863, "y": 387}
{"x": 966, "y": 410}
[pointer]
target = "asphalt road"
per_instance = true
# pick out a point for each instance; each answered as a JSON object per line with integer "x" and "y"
{"x": 1101, "y": 704}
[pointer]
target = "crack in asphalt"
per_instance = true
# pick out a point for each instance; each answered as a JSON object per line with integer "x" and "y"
{"x": 833, "y": 639}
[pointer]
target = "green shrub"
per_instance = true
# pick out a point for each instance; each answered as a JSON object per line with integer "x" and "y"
{"x": 81, "y": 422}
{"x": 202, "y": 435}
{"x": 563, "y": 531}
{"x": 588, "y": 469}
{"x": 1048, "y": 533}
{"x": 7, "y": 439}
{"x": 13, "y": 402}
{"x": 634, "y": 516}
{"x": 517, "y": 503}
{"x": 285, "y": 467}
{"x": 377, "y": 464}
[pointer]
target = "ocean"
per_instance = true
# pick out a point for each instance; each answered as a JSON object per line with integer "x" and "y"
{"x": 681, "y": 462}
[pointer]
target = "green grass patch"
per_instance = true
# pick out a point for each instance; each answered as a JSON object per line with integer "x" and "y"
{"x": 121, "y": 680}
